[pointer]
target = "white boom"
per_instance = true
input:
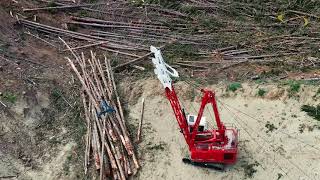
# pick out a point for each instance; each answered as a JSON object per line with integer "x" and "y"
{"x": 162, "y": 69}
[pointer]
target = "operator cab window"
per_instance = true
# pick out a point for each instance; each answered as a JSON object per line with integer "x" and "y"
{"x": 191, "y": 118}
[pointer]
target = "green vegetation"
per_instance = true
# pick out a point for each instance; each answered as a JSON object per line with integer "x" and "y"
{"x": 261, "y": 92}
{"x": 83, "y": 13}
{"x": 57, "y": 99}
{"x": 234, "y": 86}
{"x": 316, "y": 94}
{"x": 60, "y": 106}
{"x": 313, "y": 111}
{"x": 174, "y": 4}
{"x": 161, "y": 146}
{"x": 260, "y": 81}
{"x": 276, "y": 71}
{"x": 210, "y": 23}
{"x": 190, "y": 10}
{"x": 249, "y": 169}
{"x": 9, "y": 97}
{"x": 294, "y": 87}
{"x": 66, "y": 165}
{"x": 72, "y": 27}
{"x": 176, "y": 51}
{"x": 193, "y": 94}
{"x": 52, "y": 4}
{"x": 270, "y": 127}
{"x": 302, "y": 127}
{"x": 4, "y": 47}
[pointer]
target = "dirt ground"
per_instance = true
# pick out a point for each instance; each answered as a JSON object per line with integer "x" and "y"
{"x": 37, "y": 134}
{"x": 42, "y": 130}
{"x": 282, "y": 153}
{"x": 287, "y": 152}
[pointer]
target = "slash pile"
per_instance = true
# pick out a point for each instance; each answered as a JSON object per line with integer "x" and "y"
{"x": 107, "y": 139}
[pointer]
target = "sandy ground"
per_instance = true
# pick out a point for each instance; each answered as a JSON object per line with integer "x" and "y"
{"x": 284, "y": 153}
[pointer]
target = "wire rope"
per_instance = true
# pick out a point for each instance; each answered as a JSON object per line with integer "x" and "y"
{"x": 293, "y": 164}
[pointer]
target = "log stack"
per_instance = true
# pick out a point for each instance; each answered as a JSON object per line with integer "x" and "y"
{"x": 107, "y": 139}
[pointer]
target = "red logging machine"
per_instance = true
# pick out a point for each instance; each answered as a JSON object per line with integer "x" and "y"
{"x": 212, "y": 148}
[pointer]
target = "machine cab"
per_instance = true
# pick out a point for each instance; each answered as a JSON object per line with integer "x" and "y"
{"x": 191, "y": 119}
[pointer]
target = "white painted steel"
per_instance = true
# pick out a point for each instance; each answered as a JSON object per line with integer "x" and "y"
{"x": 162, "y": 69}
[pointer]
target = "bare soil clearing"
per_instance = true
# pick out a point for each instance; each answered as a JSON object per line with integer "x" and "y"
{"x": 29, "y": 147}
{"x": 279, "y": 152}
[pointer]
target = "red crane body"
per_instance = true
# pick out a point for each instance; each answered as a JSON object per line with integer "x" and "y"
{"x": 208, "y": 147}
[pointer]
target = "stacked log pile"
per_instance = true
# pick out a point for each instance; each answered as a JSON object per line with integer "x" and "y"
{"x": 107, "y": 139}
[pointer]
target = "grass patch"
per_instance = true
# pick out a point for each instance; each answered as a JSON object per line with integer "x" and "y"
{"x": 261, "y": 92}
{"x": 72, "y": 121}
{"x": 234, "y": 86}
{"x": 294, "y": 86}
{"x": 210, "y": 23}
{"x": 9, "y": 97}
{"x": 66, "y": 165}
{"x": 57, "y": 99}
{"x": 177, "y": 50}
{"x": 190, "y": 10}
{"x": 313, "y": 111}
{"x": 260, "y": 81}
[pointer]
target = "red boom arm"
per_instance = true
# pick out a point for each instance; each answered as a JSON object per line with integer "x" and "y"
{"x": 174, "y": 101}
{"x": 208, "y": 97}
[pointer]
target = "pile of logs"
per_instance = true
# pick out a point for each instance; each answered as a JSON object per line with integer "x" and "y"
{"x": 107, "y": 138}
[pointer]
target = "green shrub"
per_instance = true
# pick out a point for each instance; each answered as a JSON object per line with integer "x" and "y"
{"x": 10, "y": 97}
{"x": 261, "y": 92}
{"x": 313, "y": 111}
{"x": 249, "y": 169}
{"x": 294, "y": 86}
{"x": 234, "y": 86}
{"x": 270, "y": 126}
